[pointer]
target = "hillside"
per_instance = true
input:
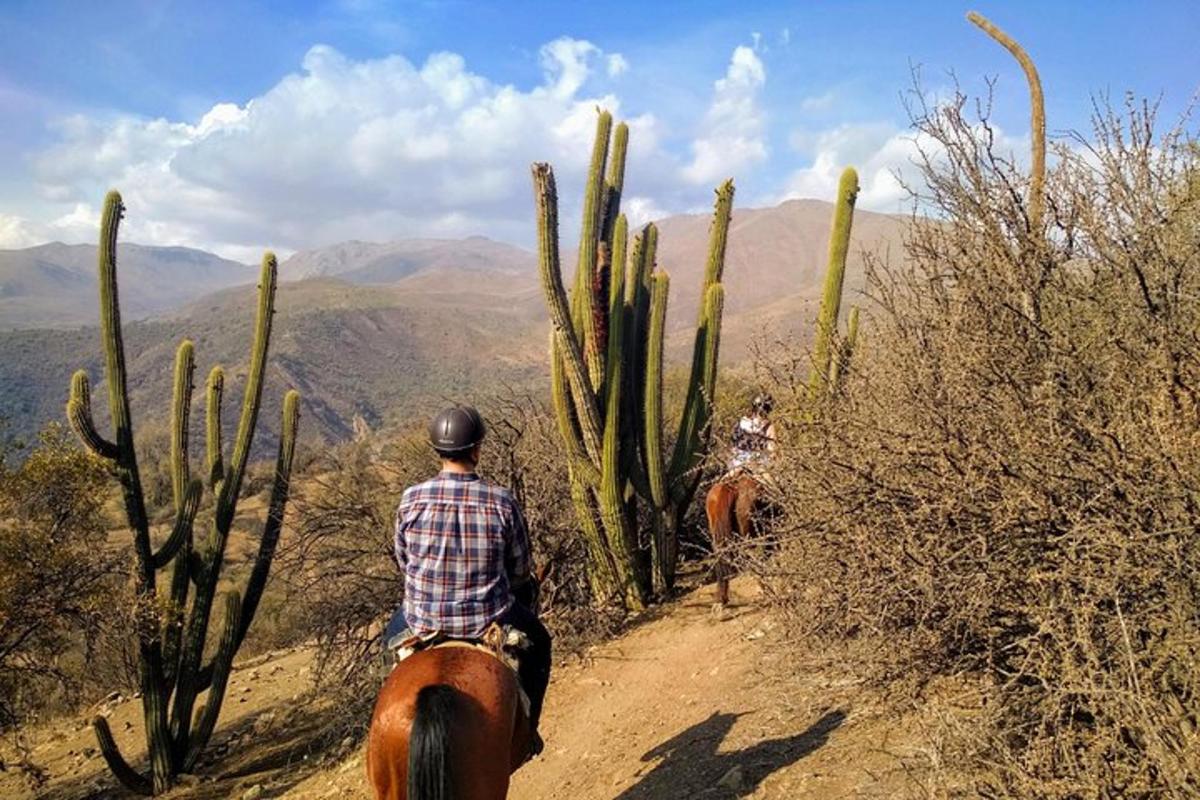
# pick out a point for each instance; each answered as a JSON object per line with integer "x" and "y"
{"x": 54, "y": 285}
{"x": 376, "y": 330}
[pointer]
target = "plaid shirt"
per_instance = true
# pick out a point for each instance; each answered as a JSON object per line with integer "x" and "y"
{"x": 462, "y": 544}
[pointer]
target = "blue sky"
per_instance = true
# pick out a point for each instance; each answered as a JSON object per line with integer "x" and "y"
{"x": 236, "y": 126}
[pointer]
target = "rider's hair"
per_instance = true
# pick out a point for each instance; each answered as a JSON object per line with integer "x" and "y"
{"x": 458, "y": 456}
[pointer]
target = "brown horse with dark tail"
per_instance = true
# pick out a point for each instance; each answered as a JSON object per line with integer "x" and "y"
{"x": 731, "y": 506}
{"x": 449, "y": 724}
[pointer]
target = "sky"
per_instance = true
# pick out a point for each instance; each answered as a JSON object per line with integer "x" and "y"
{"x": 236, "y": 126}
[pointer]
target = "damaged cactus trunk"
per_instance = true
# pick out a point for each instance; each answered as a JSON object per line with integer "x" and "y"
{"x": 172, "y": 669}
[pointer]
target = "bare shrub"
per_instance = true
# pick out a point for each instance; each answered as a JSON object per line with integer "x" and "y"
{"x": 1007, "y": 491}
{"x": 55, "y": 577}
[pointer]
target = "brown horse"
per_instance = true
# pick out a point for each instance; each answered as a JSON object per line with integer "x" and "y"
{"x": 448, "y": 725}
{"x": 731, "y": 506}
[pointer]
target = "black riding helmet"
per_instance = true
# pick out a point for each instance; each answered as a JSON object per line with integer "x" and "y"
{"x": 763, "y": 403}
{"x": 456, "y": 430}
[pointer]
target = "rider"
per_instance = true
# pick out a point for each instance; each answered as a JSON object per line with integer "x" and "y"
{"x": 754, "y": 436}
{"x": 465, "y": 552}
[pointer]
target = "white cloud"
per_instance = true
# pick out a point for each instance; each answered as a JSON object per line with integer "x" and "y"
{"x": 640, "y": 210}
{"x": 818, "y": 103}
{"x": 617, "y": 65}
{"x": 341, "y": 149}
{"x": 882, "y": 153}
{"x": 735, "y": 127}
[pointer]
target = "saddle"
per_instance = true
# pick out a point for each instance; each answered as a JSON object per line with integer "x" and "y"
{"x": 502, "y": 642}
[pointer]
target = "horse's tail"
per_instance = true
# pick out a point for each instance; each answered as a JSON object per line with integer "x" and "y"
{"x": 719, "y": 506}
{"x": 429, "y": 776}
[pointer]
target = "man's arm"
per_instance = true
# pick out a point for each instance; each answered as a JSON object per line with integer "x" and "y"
{"x": 519, "y": 554}
{"x": 399, "y": 544}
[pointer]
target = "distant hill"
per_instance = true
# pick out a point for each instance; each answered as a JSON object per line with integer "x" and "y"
{"x": 54, "y": 285}
{"x": 381, "y": 331}
{"x": 373, "y": 263}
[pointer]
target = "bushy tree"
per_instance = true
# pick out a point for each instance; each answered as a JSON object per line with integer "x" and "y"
{"x": 55, "y": 572}
{"x": 1008, "y": 491}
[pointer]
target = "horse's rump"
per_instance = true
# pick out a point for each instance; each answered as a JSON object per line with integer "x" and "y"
{"x": 440, "y": 708}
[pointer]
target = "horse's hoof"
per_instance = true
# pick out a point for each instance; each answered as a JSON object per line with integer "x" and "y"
{"x": 720, "y": 612}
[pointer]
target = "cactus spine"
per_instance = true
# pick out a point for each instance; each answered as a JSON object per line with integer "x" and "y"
{"x": 170, "y": 650}
{"x": 828, "y": 361}
{"x": 606, "y": 373}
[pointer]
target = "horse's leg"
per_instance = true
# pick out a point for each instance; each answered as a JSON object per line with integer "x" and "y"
{"x": 718, "y": 508}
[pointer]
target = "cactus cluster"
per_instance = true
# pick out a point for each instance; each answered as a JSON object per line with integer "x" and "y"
{"x": 606, "y": 353}
{"x": 831, "y": 352}
{"x": 173, "y": 624}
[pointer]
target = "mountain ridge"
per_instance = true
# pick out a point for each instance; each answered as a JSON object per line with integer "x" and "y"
{"x": 357, "y": 347}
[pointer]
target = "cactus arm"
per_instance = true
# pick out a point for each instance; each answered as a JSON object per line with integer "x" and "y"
{"x": 582, "y": 298}
{"x": 564, "y": 413}
{"x": 835, "y": 275}
{"x": 718, "y": 238}
{"x": 216, "y": 462}
{"x": 274, "y": 522}
{"x": 130, "y": 778}
{"x": 1037, "y": 197}
{"x": 182, "y": 530}
{"x": 696, "y": 404}
{"x": 611, "y": 485}
{"x": 223, "y": 663}
{"x": 252, "y": 399}
{"x": 546, "y": 196}
{"x": 172, "y": 622}
{"x": 79, "y": 414}
{"x": 652, "y": 414}
{"x": 118, "y": 392}
{"x": 614, "y": 184}
{"x": 181, "y": 406}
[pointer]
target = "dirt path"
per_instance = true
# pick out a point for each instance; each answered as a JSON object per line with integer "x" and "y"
{"x": 689, "y": 705}
{"x": 685, "y": 705}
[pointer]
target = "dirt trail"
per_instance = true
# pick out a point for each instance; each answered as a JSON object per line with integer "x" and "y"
{"x": 685, "y": 705}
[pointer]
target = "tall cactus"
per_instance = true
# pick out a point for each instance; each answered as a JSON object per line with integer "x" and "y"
{"x": 170, "y": 649}
{"x": 828, "y": 361}
{"x": 606, "y": 373}
{"x": 671, "y": 484}
{"x": 1037, "y": 123}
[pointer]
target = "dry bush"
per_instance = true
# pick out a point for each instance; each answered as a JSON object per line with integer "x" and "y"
{"x": 56, "y": 576}
{"x": 1007, "y": 490}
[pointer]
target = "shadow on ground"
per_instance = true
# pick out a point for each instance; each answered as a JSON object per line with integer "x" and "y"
{"x": 691, "y": 764}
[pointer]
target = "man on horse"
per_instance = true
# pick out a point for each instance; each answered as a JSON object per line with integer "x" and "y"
{"x": 464, "y": 549}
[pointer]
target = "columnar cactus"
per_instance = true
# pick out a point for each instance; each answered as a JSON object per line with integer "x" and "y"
{"x": 170, "y": 649}
{"x": 1036, "y": 201}
{"x": 829, "y": 360}
{"x": 1037, "y": 107}
{"x": 606, "y": 373}
{"x": 671, "y": 484}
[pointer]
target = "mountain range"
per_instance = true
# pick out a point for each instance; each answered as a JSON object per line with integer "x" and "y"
{"x": 375, "y": 332}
